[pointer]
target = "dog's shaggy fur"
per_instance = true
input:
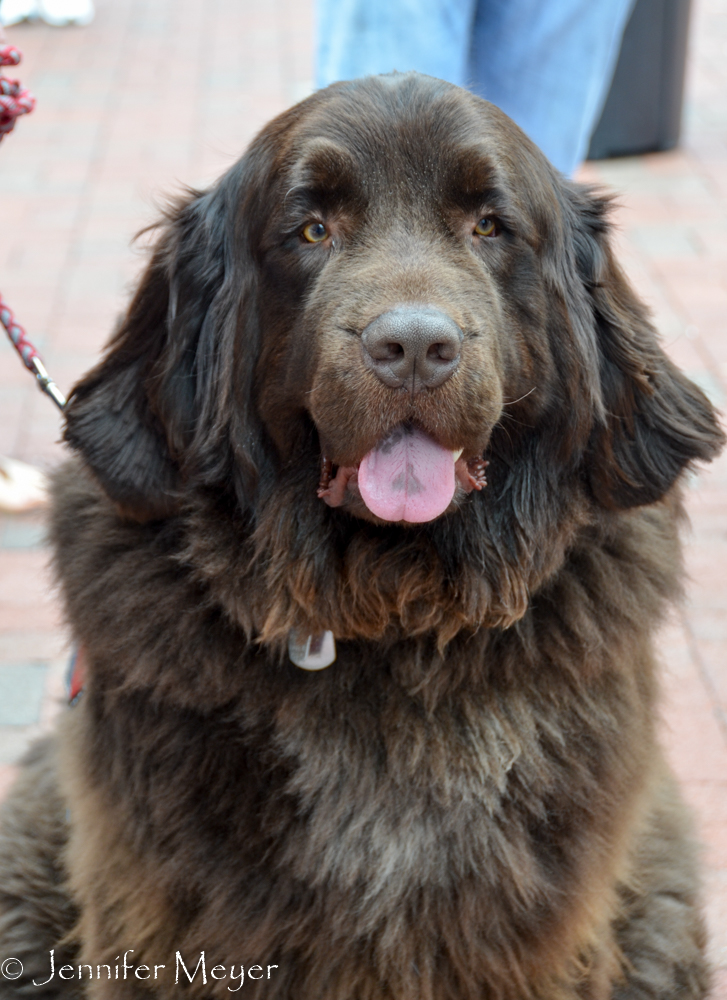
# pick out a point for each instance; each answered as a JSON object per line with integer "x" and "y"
{"x": 469, "y": 804}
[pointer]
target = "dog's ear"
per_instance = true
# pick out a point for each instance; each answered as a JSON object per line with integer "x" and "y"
{"x": 654, "y": 421}
{"x": 158, "y": 408}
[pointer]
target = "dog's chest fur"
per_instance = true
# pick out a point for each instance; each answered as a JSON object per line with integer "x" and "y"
{"x": 356, "y": 776}
{"x": 401, "y": 795}
{"x": 393, "y": 796}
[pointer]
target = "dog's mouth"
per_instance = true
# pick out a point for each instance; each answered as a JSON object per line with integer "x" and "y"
{"x": 408, "y": 476}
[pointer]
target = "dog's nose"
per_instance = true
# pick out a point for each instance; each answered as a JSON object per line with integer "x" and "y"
{"x": 414, "y": 347}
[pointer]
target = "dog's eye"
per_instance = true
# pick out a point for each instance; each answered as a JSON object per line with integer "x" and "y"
{"x": 486, "y": 227}
{"x": 315, "y": 232}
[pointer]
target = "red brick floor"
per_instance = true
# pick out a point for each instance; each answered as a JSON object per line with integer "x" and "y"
{"x": 157, "y": 94}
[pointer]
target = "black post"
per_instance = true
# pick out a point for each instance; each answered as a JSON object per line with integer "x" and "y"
{"x": 642, "y": 113}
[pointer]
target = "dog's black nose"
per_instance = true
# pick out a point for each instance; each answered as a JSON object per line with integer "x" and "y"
{"x": 414, "y": 347}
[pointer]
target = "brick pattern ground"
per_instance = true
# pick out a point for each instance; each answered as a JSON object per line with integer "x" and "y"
{"x": 158, "y": 94}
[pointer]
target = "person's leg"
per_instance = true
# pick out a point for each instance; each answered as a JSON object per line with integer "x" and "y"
{"x": 359, "y": 37}
{"x": 548, "y": 64}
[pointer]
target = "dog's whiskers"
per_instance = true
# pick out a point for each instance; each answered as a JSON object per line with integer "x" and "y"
{"x": 520, "y": 398}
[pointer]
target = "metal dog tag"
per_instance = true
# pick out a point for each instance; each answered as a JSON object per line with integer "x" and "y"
{"x": 311, "y": 652}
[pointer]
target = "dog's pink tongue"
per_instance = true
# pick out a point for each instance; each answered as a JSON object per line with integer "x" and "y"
{"x": 407, "y": 477}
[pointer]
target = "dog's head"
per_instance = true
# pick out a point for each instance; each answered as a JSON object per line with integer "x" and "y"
{"x": 390, "y": 290}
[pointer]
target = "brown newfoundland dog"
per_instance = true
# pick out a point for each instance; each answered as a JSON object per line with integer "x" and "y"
{"x": 282, "y": 459}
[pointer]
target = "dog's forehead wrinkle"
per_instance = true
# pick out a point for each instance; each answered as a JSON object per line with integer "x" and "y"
{"x": 387, "y": 138}
{"x": 321, "y": 166}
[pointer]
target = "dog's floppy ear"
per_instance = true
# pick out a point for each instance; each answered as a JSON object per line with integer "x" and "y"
{"x": 145, "y": 417}
{"x": 654, "y": 420}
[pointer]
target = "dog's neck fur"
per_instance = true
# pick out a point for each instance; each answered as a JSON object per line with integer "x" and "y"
{"x": 388, "y": 588}
{"x": 303, "y": 566}
{"x": 306, "y": 567}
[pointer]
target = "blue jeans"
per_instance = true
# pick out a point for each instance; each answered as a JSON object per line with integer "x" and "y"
{"x": 547, "y": 63}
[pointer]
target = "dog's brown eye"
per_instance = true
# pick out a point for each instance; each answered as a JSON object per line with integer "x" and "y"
{"x": 486, "y": 227}
{"x": 315, "y": 232}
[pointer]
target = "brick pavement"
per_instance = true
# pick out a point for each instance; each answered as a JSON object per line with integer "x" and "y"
{"x": 160, "y": 93}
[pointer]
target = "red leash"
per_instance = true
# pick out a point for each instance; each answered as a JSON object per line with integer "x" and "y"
{"x": 29, "y": 355}
{"x": 14, "y": 101}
